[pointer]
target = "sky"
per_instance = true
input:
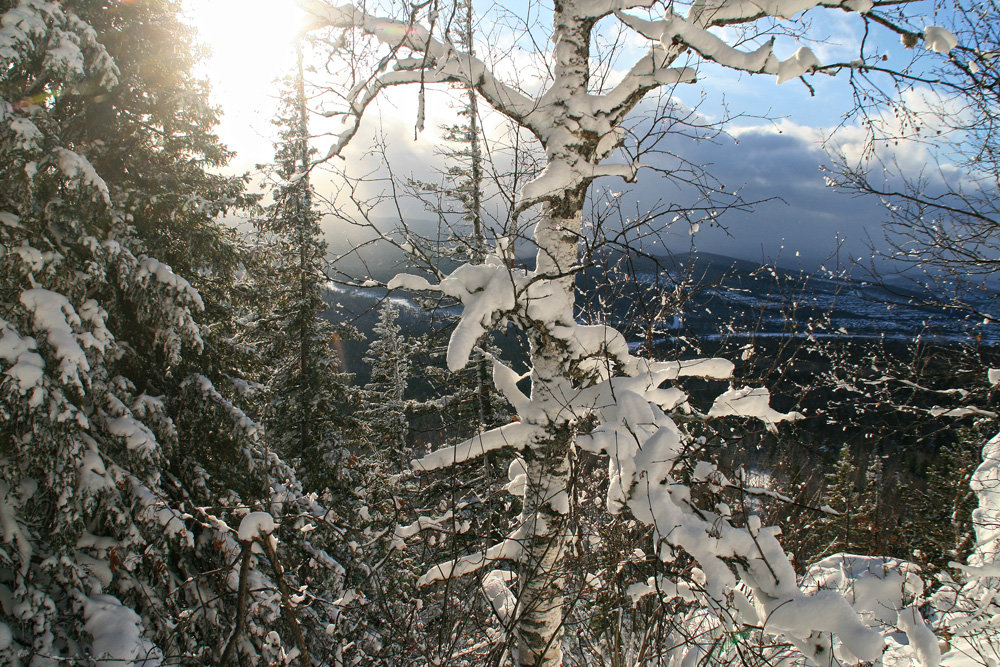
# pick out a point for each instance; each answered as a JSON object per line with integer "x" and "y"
{"x": 775, "y": 151}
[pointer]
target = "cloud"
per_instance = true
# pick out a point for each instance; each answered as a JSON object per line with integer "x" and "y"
{"x": 802, "y": 220}
{"x": 780, "y": 163}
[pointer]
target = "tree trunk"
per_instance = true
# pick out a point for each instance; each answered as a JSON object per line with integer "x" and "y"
{"x": 542, "y": 570}
{"x": 545, "y": 517}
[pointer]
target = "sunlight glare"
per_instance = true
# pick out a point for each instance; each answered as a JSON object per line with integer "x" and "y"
{"x": 252, "y": 48}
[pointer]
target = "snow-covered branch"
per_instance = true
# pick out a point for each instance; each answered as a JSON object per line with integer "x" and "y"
{"x": 440, "y": 62}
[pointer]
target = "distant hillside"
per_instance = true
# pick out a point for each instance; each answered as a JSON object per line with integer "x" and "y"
{"x": 697, "y": 296}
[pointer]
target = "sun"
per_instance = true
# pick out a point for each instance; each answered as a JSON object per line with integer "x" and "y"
{"x": 252, "y": 45}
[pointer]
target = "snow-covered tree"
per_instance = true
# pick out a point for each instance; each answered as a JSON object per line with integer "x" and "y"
{"x": 384, "y": 411}
{"x": 587, "y": 392}
{"x": 126, "y": 463}
{"x": 308, "y": 404}
{"x": 472, "y": 401}
{"x": 967, "y": 607}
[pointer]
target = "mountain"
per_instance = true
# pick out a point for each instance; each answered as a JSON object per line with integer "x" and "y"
{"x": 705, "y": 296}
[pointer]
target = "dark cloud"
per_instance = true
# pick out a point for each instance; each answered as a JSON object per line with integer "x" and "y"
{"x": 799, "y": 213}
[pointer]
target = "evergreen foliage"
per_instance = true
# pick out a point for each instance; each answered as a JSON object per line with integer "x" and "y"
{"x": 846, "y": 530}
{"x": 466, "y": 402}
{"x": 127, "y": 461}
{"x": 186, "y": 476}
{"x": 308, "y": 400}
{"x": 939, "y": 522}
{"x": 384, "y": 413}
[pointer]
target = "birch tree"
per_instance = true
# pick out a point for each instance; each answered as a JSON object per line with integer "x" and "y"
{"x": 587, "y": 391}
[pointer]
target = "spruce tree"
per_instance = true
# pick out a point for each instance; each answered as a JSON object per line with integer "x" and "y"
{"x": 307, "y": 395}
{"x": 856, "y": 505}
{"x": 467, "y": 401}
{"x": 162, "y": 163}
{"x": 384, "y": 414}
{"x": 939, "y": 520}
{"x": 126, "y": 461}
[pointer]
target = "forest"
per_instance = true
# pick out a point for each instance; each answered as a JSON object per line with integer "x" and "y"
{"x": 498, "y": 408}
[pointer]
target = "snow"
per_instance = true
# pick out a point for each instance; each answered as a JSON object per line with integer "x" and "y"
{"x": 860, "y": 6}
{"x": 26, "y": 134}
{"x": 166, "y": 276}
{"x": 409, "y": 282}
{"x": 137, "y": 436}
{"x": 34, "y": 259}
{"x": 254, "y": 525}
{"x": 711, "y": 369}
{"x": 993, "y": 376}
{"x": 729, "y": 10}
{"x": 79, "y": 171}
{"x": 750, "y": 402}
{"x": 588, "y": 375}
{"x": 559, "y": 176}
{"x": 509, "y": 549}
{"x": 505, "y": 379}
{"x": 986, "y": 517}
{"x": 939, "y": 39}
{"x": 17, "y": 28}
{"x": 667, "y": 589}
{"x": 402, "y": 533}
{"x": 65, "y": 57}
{"x": 517, "y": 476}
{"x": 962, "y": 411}
{"x": 802, "y": 62}
{"x": 170, "y": 521}
{"x": 93, "y": 476}
{"x": 712, "y": 47}
{"x": 886, "y": 592}
{"x": 26, "y": 367}
{"x": 499, "y": 595}
{"x": 117, "y": 633}
{"x": 240, "y": 420}
{"x": 53, "y": 314}
{"x": 486, "y": 291}
{"x": 922, "y": 639}
{"x": 516, "y": 435}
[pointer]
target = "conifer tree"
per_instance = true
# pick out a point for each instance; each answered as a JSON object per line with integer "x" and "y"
{"x": 127, "y": 463}
{"x": 467, "y": 401}
{"x": 939, "y": 521}
{"x": 856, "y": 504}
{"x": 384, "y": 413}
{"x": 587, "y": 391}
{"x": 307, "y": 389}
{"x": 162, "y": 164}
{"x": 151, "y": 138}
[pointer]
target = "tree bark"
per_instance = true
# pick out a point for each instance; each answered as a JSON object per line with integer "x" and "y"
{"x": 542, "y": 569}
{"x": 544, "y": 514}
{"x": 287, "y": 606}
{"x": 229, "y": 655}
